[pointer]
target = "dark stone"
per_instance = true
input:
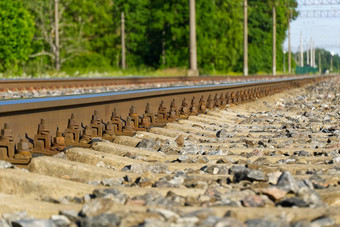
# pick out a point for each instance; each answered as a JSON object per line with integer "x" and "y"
{"x": 294, "y": 201}
{"x": 102, "y": 220}
{"x": 243, "y": 173}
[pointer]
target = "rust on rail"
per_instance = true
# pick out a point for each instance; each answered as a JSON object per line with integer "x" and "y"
{"x": 40, "y": 126}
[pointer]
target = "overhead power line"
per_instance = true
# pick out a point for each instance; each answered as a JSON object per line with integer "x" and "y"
{"x": 319, "y": 13}
{"x": 319, "y": 2}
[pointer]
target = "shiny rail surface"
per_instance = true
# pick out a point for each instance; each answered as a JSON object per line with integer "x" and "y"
{"x": 13, "y": 84}
{"x": 40, "y": 125}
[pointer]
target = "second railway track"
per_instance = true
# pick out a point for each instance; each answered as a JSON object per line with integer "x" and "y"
{"x": 181, "y": 160}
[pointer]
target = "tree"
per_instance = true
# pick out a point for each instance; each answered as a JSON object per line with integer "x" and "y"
{"x": 71, "y": 42}
{"x": 16, "y": 33}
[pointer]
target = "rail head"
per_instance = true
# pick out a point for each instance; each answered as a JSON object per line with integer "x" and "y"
{"x": 34, "y": 104}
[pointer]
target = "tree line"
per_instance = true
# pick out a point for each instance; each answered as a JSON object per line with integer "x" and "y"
{"x": 157, "y": 34}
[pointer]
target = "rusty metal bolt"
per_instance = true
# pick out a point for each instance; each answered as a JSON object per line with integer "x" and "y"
{"x": 6, "y": 133}
{"x": 42, "y": 130}
{"x": 193, "y": 107}
{"x": 133, "y": 112}
{"x": 210, "y": 104}
{"x": 72, "y": 123}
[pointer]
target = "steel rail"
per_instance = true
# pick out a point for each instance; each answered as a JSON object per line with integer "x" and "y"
{"x": 115, "y": 113}
{"x": 105, "y": 81}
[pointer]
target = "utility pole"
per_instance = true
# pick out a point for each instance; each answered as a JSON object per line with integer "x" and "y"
{"x": 307, "y": 53}
{"x": 314, "y": 59}
{"x": 319, "y": 61}
{"x": 289, "y": 48}
{"x": 332, "y": 54}
{"x": 193, "y": 46}
{"x": 123, "y": 41}
{"x": 311, "y": 52}
{"x": 274, "y": 38}
{"x": 56, "y": 24}
{"x": 245, "y": 38}
{"x": 301, "y": 50}
{"x": 284, "y": 61}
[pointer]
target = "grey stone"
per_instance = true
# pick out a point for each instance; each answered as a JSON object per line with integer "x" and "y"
{"x": 256, "y": 175}
{"x": 261, "y": 223}
{"x": 103, "y": 192}
{"x": 201, "y": 213}
{"x": 3, "y": 223}
{"x": 302, "y": 153}
{"x": 303, "y": 223}
{"x": 95, "y": 183}
{"x": 136, "y": 168}
{"x": 97, "y": 207}
{"x": 229, "y": 222}
{"x": 154, "y": 198}
{"x": 190, "y": 149}
{"x": 223, "y": 134}
{"x": 287, "y": 182}
{"x": 167, "y": 214}
{"x": 214, "y": 169}
{"x": 210, "y": 221}
{"x": 61, "y": 155}
{"x": 243, "y": 173}
{"x": 10, "y": 217}
{"x": 152, "y": 222}
{"x": 218, "y": 152}
{"x": 112, "y": 182}
{"x": 159, "y": 168}
{"x": 336, "y": 159}
{"x": 5, "y": 165}
{"x": 33, "y": 223}
{"x": 102, "y": 220}
{"x": 149, "y": 144}
{"x": 70, "y": 214}
{"x": 60, "y": 220}
{"x": 188, "y": 221}
{"x": 183, "y": 158}
{"x": 322, "y": 221}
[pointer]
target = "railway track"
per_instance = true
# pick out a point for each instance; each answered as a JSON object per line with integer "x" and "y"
{"x": 28, "y": 84}
{"x": 18, "y": 89}
{"x": 181, "y": 160}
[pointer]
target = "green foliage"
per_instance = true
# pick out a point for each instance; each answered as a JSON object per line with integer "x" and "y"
{"x": 87, "y": 62}
{"x": 325, "y": 60}
{"x": 157, "y": 34}
{"x": 16, "y": 33}
{"x": 260, "y": 25}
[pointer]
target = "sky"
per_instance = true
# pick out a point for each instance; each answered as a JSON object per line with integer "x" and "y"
{"x": 325, "y": 32}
